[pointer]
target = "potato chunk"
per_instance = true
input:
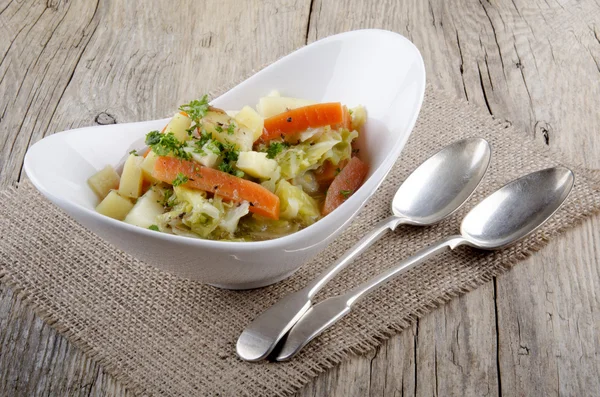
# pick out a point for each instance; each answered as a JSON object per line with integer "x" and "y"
{"x": 115, "y": 206}
{"x": 271, "y": 105}
{"x": 103, "y": 181}
{"x": 148, "y": 167}
{"x": 145, "y": 210}
{"x": 256, "y": 164}
{"x": 226, "y": 130}
{"x": 178, "y": 126}
{"x": 132, "y": 177}
{"x": 208, "y": 156}
{"x": 249, "y": 118}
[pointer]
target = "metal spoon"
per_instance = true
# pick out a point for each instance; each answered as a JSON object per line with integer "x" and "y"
{"x": 437, "y": 188}
{"x": 509, "y": 214}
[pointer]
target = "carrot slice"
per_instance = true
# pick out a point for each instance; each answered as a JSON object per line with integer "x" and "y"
{"x": 300, "y": 119}
{"x": 346, "y": 122}
{"x": 230, "y": 187}
{"x": 345, "y": 184}
{"x": 326, "y": 173}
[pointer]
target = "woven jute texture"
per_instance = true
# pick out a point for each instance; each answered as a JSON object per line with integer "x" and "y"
{"x": 162, "y": 335}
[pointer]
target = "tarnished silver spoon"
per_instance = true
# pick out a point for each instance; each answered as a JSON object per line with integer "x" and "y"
{"x": 436, "y": 189}
{"x": 504, "y": 217}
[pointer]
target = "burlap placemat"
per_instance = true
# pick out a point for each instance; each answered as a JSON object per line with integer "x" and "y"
{"x": 163, "y": 335}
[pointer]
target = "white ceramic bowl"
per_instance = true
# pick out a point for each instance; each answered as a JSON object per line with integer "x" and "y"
{"x": 379, "y": 69}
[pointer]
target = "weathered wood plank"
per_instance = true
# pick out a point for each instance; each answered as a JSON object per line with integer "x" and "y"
{"x": 550, "y": 339}
{"x": 450, "y": 359}
{"x": 142, "y": 63}
{"x": 70, "y": 64}
{"x": 139, "y": 63}
{"x": 531, "y": 63}
{"x": 42, "y": 47}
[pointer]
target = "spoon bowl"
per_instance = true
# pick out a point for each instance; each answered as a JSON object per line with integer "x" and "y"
{"x": 437, "y": 188}
{"x": 440, "y": 185}
{"x": 505, "y": 217}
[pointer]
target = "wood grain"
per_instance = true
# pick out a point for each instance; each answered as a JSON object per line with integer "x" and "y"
{"x": 534, "y": 330}
{"x": 531, "y": 64}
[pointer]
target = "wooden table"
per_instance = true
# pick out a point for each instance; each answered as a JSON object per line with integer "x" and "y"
{"x": 533, "y": 331}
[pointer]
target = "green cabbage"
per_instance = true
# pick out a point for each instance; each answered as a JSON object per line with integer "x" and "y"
{"x": 200, "y": 215}
{"x": 256, "y": 228}
{"x": 359, "y": 117}
{"x": 296, "y": 204}
{"x": 233, "y": 214}
{"x": 194, "y": 213}
{"x": 331, "y": 145}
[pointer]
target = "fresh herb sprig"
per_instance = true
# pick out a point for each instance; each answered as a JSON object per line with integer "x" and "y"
{"x": 168, "y": 198}
{"x": 196, "y": 109}
{"x": 346, "y": 193}
{"x": 204, "y": 141}
{"x": 164, "y": 144}
{"x": 275, "y": 148}
{"x": 230, "y": 156}
{"x": 231, "y": 129}
{"x": 180, "y": 179}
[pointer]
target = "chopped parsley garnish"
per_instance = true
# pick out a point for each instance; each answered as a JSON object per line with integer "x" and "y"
{"x": 346, "y": 193}
{"x": 226, "y": 167}
{"x": 214, "y": 147}
{"x": 230, "y": 169}
{"x": 196, "y": 109}
{"x": 337, "y": 170}
{"x": 275, "y": 148}
{"x": 199, "y": 147}
{"x": 180, "y": 179}
{"x": 204, "y": 137}
{"x": 153, "y": 138}
{"x": 206, "y": 142}
{"x": 164, "y": 144}
{"x": 230, "y": 156}
{"x": 218, "y": 128}
{"x": 168, "y": 199}
{"x": 231, "y": 129}
{"x": 153, "y": 227}
{"x": 134, "y": 152}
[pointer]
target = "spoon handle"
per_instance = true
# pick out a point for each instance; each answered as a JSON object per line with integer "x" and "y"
{"x": 389, "y": 223}
{"x": 326, "y": 313}
{"x": 261, "y": 336}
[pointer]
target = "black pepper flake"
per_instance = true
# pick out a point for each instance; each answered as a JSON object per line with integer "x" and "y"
{"x": 251, "y": 204}
{"x": 216, "y": 187}
{"x": 289, "y": 120}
